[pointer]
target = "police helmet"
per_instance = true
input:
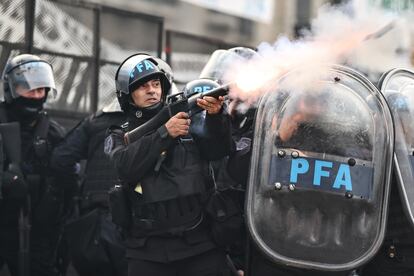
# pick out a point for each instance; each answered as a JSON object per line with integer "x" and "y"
{"x": 137, "y": 70}
{"x": 199, "y": 86}
{"x": 29, "y": 72}
{"x": 221, "y": 60}
{"x": 243, "y": 52}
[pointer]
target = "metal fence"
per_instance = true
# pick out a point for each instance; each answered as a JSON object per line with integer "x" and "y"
{"x": 85, "y": 44}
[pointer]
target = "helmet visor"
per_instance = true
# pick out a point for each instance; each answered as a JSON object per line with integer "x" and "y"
{"x": 30, "y": 76}
{"x": 221, "y": 61}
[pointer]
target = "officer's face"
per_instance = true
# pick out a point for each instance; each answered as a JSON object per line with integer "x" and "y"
{"x": 37, "y": 94}
{"x": 147, "y": 94}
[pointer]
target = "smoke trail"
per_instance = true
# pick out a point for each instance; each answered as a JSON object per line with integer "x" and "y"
{"x": 358, "y": 34}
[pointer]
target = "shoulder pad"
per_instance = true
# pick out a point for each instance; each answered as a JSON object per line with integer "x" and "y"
{"x": 109, "y": 144}
{"x": 114, "y": 137}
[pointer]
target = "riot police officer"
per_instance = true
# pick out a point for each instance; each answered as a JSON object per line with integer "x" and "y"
{"x": 233, "y": 184}
{"x": 32, "y": 193}
{"x": 165, "y": 175}
{"x": 89, "y": 255}
{"x": 94, "y": 243}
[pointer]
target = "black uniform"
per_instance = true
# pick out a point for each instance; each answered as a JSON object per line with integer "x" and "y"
{"x": 47, "y": 196}
{"x": 94, "y": 243}
{"x": 232, "y": 180}
{"x": 167, "y": 182}
{"x": 396, "y": 256}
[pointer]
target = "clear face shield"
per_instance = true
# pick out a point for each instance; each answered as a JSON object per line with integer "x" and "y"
{"x": 220, "y": 61}
{"x": 337, "y": 123}
{"x": 30, "y": 76}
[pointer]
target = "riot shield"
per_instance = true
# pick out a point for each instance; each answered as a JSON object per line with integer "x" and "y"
{"x": 319, "y": 180}
{"x": 397, "y": 86}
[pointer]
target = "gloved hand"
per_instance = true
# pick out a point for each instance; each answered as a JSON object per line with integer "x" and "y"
{"x": 14, "y": 185}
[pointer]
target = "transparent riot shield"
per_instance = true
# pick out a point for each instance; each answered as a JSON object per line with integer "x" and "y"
{"x": 319, "y": 179}
{"x": 397, "y": 86}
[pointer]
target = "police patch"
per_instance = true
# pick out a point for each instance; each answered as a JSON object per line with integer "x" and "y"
{"x": 109, "y": 144}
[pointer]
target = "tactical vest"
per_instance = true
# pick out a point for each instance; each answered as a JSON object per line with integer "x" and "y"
{"x": 168, "y": 201}
{"x": 35, "y": 151}
{"x": 35, "y": 140}
{"x": 166, "y": 218}
{"x": 100, "y": 175}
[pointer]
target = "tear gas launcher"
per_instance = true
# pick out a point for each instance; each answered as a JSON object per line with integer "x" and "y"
{"x": 175, "y": 103}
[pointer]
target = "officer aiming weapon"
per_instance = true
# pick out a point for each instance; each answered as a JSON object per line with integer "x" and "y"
{"x": 178, "y": 102}
{"x": 175, "y": 103}
{"x": 10, "y": 138}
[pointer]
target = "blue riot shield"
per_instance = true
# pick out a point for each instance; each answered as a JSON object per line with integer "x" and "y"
{"x": 320, "y": 172}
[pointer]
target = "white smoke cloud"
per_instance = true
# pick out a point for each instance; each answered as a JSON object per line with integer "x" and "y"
{"x": 390, "y": 50}
{"x": 359, "y": 34}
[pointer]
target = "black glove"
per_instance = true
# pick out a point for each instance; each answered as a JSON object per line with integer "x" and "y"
{"x": 14, "y": 185}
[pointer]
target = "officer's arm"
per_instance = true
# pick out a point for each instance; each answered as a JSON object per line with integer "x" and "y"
{"x": 72, "y": 149}
{"x": 135, "y": 160}
{"x": 63, "y": 177}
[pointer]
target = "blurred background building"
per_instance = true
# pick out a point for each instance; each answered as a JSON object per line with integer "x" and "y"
{"x": 244, "y": 22}
{"x": 85, "y": 40}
